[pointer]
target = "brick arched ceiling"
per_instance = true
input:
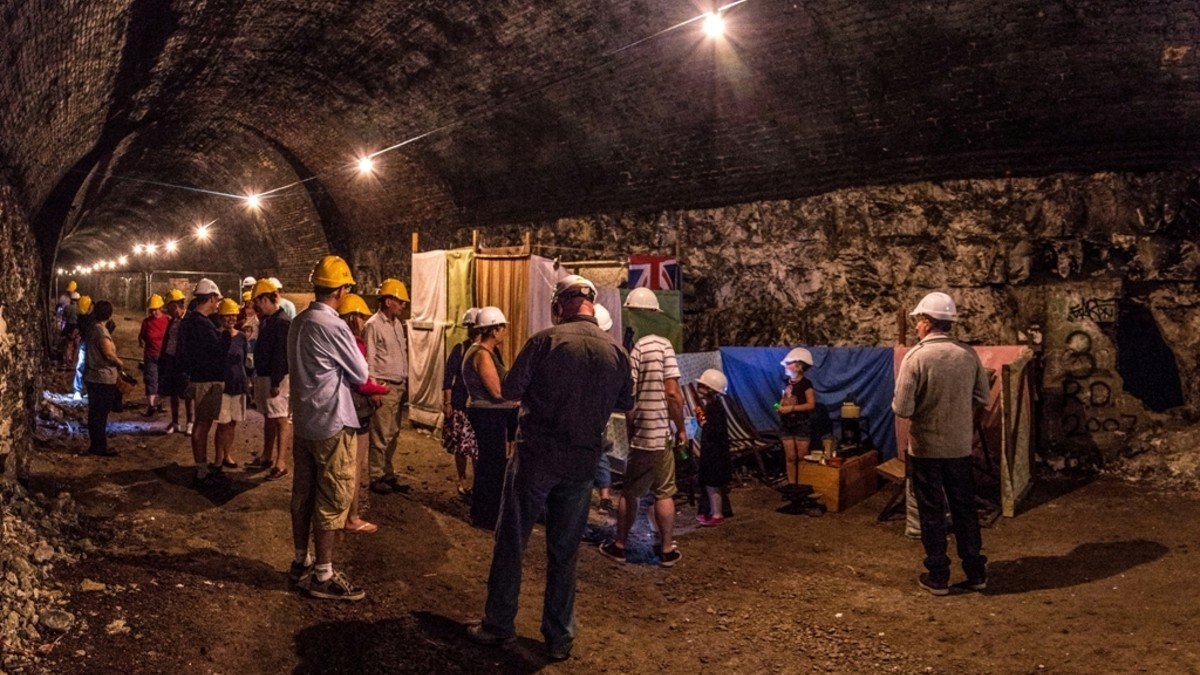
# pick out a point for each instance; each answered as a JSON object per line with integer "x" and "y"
{"x": 802, "y": 97}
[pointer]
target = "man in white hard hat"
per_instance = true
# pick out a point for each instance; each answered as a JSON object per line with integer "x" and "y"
{"x": 569, "y": 380}
{"x": 286, "y": 305}
{"x": 651, "y": 463}
{"x": 203, "y": 354}
{"x": 248, "y": 284}
{"x": 941, "y": 388}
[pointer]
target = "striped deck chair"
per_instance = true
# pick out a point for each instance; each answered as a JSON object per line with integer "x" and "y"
{"x": 745, "y": 440}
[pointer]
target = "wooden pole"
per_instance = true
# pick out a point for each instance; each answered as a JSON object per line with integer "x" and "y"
{"x": 528, "y": 242}
{"x": 475, "y": 240}
{"x": 416, "y": 242}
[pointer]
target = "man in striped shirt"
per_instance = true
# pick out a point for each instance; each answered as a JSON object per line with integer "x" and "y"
{"x": 651, "y": 463}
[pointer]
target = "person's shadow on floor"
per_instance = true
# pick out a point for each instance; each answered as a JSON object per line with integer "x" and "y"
{"x": 1084, "y": 564}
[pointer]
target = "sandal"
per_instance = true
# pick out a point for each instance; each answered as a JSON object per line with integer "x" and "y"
{"x": 363, "y": 528}
{"x": 276, "y": 474}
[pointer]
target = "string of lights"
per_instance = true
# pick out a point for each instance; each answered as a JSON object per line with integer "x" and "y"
{"x": 713, "y": 26}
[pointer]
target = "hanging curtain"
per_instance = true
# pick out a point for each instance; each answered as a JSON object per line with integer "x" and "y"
{"x": 604, "y": 275}
{"x": 504, "y": 282}
{"x": 668, "y": 323}
{"x": 611, "y": 299}
{"x": 427, "y": 337}
{"x": 543, "y": 277}
{"x": 460, "y": 293}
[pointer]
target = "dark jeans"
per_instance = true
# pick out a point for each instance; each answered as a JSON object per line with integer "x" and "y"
{"x": 936, "y": 482}
{"x": 528, "y": 492}
{"x": 492, "y": 429}
{"x": 102, "y": 400}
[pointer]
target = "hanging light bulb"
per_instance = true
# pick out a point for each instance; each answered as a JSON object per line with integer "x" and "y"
{"x": 714, "y": 25}
{"x": 139, "y": 249}
{"x": 366, "y": 165}
{"x": 123, "y": 260}
{"x": 171, "y": 246}
{"x": 203, "y": 232}
{"x": 254, "y": 201}
{"x": 151, "y": 249}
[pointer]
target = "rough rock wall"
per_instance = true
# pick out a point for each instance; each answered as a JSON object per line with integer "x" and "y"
{"x": 1028, "y": 259}
{"x": 22, "y": 331}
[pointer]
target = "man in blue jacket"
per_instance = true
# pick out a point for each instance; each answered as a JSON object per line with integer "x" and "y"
{"x": 203, "y": 351}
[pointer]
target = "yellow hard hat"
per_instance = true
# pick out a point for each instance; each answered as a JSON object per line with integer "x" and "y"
{"x": 175, "y": 295}
{"x": 156, "y": 302}
{"x": 247, "y": 296}
{"x": 394, "y": 288}
{"x": 229, "y": 307}
{"x": 332, "y": 272}
{"x": 85, "y": 304}
{"x": 262, "y": 287}
{"x": 353, "y": 304}
{"x": 72, "y": 286}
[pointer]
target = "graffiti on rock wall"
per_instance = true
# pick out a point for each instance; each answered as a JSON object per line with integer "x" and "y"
{"x": 1089, "y": 405}
{"x": 1099, "y": 310}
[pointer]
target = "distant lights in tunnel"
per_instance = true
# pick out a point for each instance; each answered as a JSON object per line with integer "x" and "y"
{"x": 151, "y": 249}
{"x": 203, "y": 232}
{"x": 139, "y": 249}
{"x": 171, "y": 246}
{"x": 714, "y": 25}
{"x": 123, "y": 260}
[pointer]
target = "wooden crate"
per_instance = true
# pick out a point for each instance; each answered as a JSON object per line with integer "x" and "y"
{"x": 844, "y": 486}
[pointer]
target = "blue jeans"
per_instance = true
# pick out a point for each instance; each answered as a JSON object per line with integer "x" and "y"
{"x": 528, "y": 491}
{"x": 603, "y": 477}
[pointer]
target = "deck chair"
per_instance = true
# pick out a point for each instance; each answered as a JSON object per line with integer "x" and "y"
{"x": 745, "y": 440}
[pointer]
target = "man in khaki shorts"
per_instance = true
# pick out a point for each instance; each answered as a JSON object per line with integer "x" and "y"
{"x": 271, "y": 386}
{"x": 203, "y": 352}
{"x": 651, "y": 463}
{"x": 323, "y": 364}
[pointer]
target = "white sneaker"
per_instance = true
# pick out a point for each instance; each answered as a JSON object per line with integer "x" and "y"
{"x": 189, "y": 429}
{"x": 77, "y": 396}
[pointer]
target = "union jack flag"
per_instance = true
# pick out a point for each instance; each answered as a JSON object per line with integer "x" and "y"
{"x": 656, "y": 272}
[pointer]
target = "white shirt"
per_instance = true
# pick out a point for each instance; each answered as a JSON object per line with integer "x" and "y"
{"x": 323, "y": 364}
{"x": 387, "y": 349}
{"x": 652, "y": 362}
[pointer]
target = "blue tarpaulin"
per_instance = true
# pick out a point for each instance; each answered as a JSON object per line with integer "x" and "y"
{"x": 862, "y": 373}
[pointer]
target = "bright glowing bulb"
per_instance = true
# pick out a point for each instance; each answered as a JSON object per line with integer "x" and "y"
{"x": 253, "y": 201}
{"x": 202, "y": 231}
{"x": 139, "y": 249}
{"x": 61, "y": 271}
{"x": 714, "y": 25}
{"x": 151, "y": 249}
{"x": 171, "y": 246}
{"x": 366, "y": 165}
{"x": 123, "y": 260}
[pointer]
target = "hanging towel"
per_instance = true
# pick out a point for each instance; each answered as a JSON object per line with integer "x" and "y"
{"x": 504, "y": 282}
{"x": 429, "y": 286}
{"x": 427, "y": 358}
{"x": 611, "y": 299}
{"x": 542, "y": 279}
{"x": 667, "y": 323}
{"x": 460, "y": 292}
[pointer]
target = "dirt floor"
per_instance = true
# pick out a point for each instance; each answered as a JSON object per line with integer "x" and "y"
{"x": 1095, "y": 576}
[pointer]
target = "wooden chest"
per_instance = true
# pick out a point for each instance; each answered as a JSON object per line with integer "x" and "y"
{"x": 844, "y": 486}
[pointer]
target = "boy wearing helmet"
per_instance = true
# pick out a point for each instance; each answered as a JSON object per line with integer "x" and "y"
{"x": 150, "y": 337}
{"x": 716, "y": 467}
{"x": 942, "y": 386}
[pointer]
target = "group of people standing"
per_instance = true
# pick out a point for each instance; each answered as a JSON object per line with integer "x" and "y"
{"x": 334, "y": 377}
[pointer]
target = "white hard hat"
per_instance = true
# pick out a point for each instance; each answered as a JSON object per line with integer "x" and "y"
{"x": 603, "y": 318}
{"x": 798, "y": 355}
{"x": 574, "y": 282}
{"x": 642, "y": 298}
{"x": 249, "y": 281}
{"x": 277, "y": 282}
{"x": 74, "y": 295}
{"x": 207, "y": 287}
{"x": 714, "y": 379}
{"x": 470, "y": 316}
{"x": 937, "y": 305}
{"x": 490, "y": 316}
